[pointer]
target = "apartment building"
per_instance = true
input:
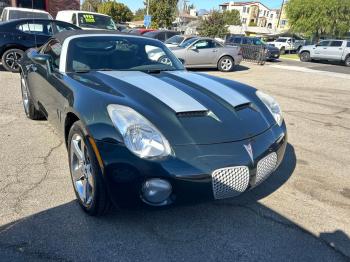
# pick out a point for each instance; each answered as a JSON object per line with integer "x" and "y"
{"x": 254, "y": 13}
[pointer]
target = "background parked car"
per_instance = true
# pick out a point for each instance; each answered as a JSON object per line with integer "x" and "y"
{"x": 140, "y": 31}
{"x": 272, "y": 52}
{"x": 331, "y": 50}
{"x": 87, "y": 20}
{"x": 177, "y": 40}
{"x": 12, "y": 13}
{"x": 16, "y": 36}
{"x": 208, "y": 53}
{"x": 161, "y": 35}
{"x": 288, "y": 44}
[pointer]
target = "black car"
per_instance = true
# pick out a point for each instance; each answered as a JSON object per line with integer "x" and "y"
{"x": 273, "y": 53}
{"x": 16, "y": 36}
{"x": 140, "y": 131}
{"x": 161, "y": 35}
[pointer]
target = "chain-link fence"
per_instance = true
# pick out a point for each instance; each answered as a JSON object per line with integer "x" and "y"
{"x": 254, "y": 53}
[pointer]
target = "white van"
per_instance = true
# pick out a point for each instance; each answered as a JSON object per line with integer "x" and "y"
{"x": 12, "y": 13}
{"x": 87, "y": 20}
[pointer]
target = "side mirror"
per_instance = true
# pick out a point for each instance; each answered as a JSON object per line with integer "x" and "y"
{"x": 41, "y": 59}
{"x": 182, "y": 61}
{"x": 193, "y": 47}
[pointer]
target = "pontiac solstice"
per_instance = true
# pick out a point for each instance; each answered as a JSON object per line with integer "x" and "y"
{"x": 140, "y": 131}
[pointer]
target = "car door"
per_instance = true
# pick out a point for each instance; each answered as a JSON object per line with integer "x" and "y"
{"x": 202, "y": 53}
{"x": 35, "y": 32}
{"x": 45, "y": 79}
{"x": 335, "y": 50}
{"x": 320, "y": 49}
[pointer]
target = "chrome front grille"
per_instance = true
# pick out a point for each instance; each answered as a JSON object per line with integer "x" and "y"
{"x": 265, "y": 167}
{"x": 230, "y": 182}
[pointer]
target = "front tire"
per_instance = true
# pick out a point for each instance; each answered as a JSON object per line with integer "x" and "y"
{"x": 11, "y": 58}
{"x": 88, "y": 183}
{"x": 226, "y": 64}
{"x": 28, "y": 104}
{"x": 305, "y": 57}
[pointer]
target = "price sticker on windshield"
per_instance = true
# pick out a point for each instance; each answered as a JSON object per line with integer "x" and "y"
{"x": 89, "y": 18}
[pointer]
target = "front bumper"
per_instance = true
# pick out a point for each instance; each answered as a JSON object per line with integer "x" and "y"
{"x": 190, "y": 171}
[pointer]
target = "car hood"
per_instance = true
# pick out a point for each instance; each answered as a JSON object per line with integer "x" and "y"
{"x": 271, "y": 48}
{"x": 188, "y": 108}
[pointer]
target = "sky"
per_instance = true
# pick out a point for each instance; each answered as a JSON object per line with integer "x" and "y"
{"x": 201, "y": 4}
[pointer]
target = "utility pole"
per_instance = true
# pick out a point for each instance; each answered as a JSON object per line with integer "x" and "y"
{"x": 279, "y": 17}
{"x": 147, "y": 7}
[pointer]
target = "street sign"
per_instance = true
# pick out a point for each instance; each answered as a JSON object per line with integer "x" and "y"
{"x": 147, "y": 20}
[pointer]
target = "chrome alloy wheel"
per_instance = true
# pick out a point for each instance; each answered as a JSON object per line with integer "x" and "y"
{"x": 11, "y": 60}
{"x": 226, "y": 64}
{"x": 81, "y": 170}
{"x": 25, "y": 95}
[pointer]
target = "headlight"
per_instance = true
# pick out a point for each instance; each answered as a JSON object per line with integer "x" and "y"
{"x": 272, "y": 105}
{"x": 140, "y": 136}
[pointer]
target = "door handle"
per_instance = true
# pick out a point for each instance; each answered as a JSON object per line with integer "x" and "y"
{"x": 215, "y": 50}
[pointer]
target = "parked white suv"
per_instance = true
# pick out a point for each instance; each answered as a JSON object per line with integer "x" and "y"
{"x": 12, "y": 13}
{"x": 87, "y": 20}
{"x": 331, "y": 50}
{"x": 287, "y": 44}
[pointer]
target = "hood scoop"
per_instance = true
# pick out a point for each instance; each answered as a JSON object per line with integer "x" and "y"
{"x": 201, "y": 113}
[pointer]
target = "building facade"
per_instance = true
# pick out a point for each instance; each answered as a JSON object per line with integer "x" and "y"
{"x": 51, "y": 6}
{"x": 254, "y": 14}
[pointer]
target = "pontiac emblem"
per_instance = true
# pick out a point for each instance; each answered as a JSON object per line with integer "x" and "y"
{"x": 249, "y": 149}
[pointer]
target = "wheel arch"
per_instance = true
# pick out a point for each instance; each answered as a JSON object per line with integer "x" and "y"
{"x": 70, "y": 119}
{"x": 12, "y": 46}
{"x": 223, "y": 55}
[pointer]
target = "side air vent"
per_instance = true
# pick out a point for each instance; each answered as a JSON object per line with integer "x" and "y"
{"x": 193, "y": 114}
{"x": 242, "y": 106}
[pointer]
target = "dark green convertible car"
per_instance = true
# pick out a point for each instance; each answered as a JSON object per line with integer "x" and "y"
{"x": 142, "y": 132}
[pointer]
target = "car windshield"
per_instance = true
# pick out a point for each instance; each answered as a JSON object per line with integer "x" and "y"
{"x": 175, "y": 40}
{"x": 120, "y": 53}
{"x": 257, "y": 41}
{"x": 188, "y": 42}
{"x": 281, "y": 40}
{"x": 17, "y": 14}
{"x": 96, "y": 21}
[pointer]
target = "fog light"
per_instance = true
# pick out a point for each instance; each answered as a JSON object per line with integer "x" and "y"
{"x": 156, "y": 191}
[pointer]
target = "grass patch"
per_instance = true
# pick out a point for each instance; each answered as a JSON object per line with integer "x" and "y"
{"x": 290, "y": 56}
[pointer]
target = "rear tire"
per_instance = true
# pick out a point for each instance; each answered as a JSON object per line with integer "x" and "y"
{"x": 28, "y": 104}
{"x": 305, "y": 57}
{"x": 11, "y": 58}
{"x": 283, "y": 50}
{"x": 88, "y": 183}
{"x": 347, "y": 61}
{"x": 226, "y": 64}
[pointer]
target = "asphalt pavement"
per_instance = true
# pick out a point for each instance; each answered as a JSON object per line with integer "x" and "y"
{"x": 301, "y": 213}
{"x": 333, "y": 67}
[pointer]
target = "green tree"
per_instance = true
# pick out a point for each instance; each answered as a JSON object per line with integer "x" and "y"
{"x": 139, "y": 14}
{"x": 232, "y": 17}
{"x": 213, "y": 26}
{"x": 90, "y": 5}
{"x": 319, "y": 18}
{"x": 163, "y": 12}
{"x": 119, "y": 12}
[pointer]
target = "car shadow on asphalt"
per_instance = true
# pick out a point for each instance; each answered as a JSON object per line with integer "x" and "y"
{"x": 241, "y": 229}
{"x": 237, "y": 68}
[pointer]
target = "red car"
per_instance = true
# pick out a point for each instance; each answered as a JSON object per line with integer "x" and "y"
{"x": 141, "y": 31}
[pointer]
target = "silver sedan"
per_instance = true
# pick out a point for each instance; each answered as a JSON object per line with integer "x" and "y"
{"x": 208, "y": 53}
